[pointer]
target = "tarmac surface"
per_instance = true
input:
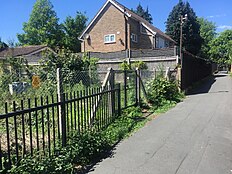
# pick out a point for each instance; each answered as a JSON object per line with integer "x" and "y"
{"x": 195, "y": 137}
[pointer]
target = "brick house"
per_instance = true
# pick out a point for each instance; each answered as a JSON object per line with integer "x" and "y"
{"x": 116, "y": 28}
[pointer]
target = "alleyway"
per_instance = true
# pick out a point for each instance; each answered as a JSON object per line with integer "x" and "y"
{"x": 195, "y": 137}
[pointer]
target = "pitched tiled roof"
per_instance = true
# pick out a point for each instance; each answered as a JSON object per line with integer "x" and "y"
{"x": 140, "y": 19}
{"x": 21, "y": 51}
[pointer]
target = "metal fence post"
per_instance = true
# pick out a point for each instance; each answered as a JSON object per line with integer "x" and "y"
{"x": 138, "y": 86}
{"x": 119, "y": 99}
{"x": 61, "y": 99}
{"x": 125, "y": 90}
{"x": 112, "y": 88}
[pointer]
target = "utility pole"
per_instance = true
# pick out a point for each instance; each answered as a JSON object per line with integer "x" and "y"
{"x": 182, "y": 20}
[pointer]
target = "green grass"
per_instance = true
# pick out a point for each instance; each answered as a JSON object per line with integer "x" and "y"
{"x": 164, "y": 108}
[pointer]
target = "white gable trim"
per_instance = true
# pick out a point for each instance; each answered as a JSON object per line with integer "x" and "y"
{"x": 104, "y": 6}
{"x": 149, "y": 29}
{"x": 121, "y": 9}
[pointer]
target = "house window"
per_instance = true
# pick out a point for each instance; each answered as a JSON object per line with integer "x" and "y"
{"x": 134, "y": 37}
{"x": 110, "y": 38}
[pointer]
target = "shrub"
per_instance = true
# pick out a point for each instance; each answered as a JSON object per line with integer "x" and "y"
{"x": 161, "y": 90}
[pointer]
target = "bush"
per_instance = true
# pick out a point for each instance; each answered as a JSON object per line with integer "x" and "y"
{"x": 59, "y": 164}
{"x": 161, "y": 90}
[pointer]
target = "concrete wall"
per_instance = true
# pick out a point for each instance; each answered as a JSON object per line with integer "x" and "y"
{"x": 152, "y": 63}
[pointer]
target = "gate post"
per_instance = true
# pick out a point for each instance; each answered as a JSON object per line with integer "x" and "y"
{"x": 138, "y": 86}
{"x": 112, "y": 88}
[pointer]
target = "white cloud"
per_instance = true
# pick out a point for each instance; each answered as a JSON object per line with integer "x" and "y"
{"x": 217, "y": 16}
{"x": 225, "y": 27}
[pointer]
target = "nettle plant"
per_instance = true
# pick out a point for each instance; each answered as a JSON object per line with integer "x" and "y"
{"x": 160, "y": 90}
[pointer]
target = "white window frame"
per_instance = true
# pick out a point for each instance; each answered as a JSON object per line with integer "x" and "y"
{"x": 110, "y": 36}
{"x": 134, "y": 37}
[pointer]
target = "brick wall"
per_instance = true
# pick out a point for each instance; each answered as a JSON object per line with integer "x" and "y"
{"x": 145, "y": 41}
{"x": 111, "y": 21}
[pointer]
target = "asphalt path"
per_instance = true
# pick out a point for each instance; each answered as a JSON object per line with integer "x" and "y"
{"x": 195, "y": 137}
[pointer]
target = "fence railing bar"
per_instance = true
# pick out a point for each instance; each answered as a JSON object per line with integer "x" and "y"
{"x": 48, "y": 127}
{"x": 67, "y": 113}
{"x": 78, "y": 113}
{"x": 85, "y": 114}
{"x": 37, "y": 126}
{"x": 23, "y": 129}
{"x": 58, "y": 116}
{"x": 1, "y": 155}
{"x": 81, "y": 112}
{"x": 87, "y": 108}
{"x": 71, "y": 111}
{"x": 42, "y": 117}
{"x": 75, "y": 112}
{"x": 125, "y": 90}
{"x": 30, "y": 127}
{"x": 53, "y": 124}
{"x": 16, "y": 133}
{"x": 8, "y": 135}
{"x": 90, "y": 106}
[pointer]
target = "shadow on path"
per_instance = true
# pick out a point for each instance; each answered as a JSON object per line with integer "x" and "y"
{"x": 205, "y": 85}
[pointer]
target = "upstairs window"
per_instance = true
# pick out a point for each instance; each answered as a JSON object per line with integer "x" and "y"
{"x": 134, "y": 37}
{"x": 110, "y": 38}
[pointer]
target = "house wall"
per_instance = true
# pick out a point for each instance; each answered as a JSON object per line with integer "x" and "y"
{"x": 145, "y": 39}
{"x": 111, "y": 21}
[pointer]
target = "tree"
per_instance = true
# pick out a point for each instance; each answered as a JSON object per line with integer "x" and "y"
{"x": 208, "y": 33}
{"x": 191, "y": 29}
{"x": 143, "y": 13}
{"x": 73, "y": 28}
{"x": 3, "y": 45}
{"x": 42, "y": 27}
{"x": 71, "y": 64}
{"x": 221, "y": 48}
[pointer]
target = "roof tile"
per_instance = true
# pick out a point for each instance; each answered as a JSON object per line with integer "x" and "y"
{"x": 21, "y": 51}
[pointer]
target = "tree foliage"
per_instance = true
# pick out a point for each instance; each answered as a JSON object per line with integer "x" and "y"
{"x": 191, "y": 29}
{"x": 221, "y": 48}
{"x": 143, "y": 13}
{"x": 3, "y": 45}
{"x": 208, "y": 33}
{"x": 70, "y": 63}
{"x": 73, "y": 28}
{"x": 42, "y": 27}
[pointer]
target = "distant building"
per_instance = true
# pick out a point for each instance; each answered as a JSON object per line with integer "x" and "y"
{"x": 33, "y": 53}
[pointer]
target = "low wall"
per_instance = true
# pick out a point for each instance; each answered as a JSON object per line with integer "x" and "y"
{"x": 152, "y": 63}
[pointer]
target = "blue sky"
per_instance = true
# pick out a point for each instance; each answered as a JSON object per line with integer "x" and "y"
{"x": 15, "y": 12}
